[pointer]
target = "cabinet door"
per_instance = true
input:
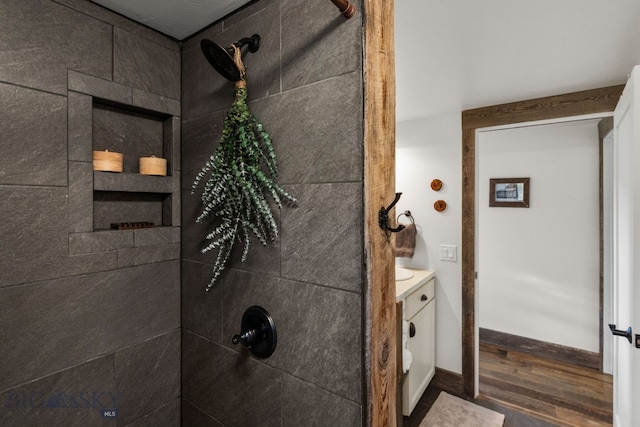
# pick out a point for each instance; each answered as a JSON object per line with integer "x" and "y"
{"x": 422, "y": 348}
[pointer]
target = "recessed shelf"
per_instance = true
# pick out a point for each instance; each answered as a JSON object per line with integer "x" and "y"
{"x": 132, "y": 183}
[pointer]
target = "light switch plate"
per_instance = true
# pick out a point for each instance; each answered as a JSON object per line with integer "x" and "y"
{"x": 448, "y": 253}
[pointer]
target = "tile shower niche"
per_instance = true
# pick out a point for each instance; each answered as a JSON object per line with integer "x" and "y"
{"x": 105, "y": 115}
{"x": 129, "y": 196}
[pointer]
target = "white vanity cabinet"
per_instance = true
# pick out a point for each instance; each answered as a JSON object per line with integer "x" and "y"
{"x": 420, "y": 311}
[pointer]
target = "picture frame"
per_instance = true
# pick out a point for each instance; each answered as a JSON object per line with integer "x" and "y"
{"x": 509, "y": 192}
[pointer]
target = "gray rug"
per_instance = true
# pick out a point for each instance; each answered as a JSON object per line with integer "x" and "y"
{"x": 450, "y": 411}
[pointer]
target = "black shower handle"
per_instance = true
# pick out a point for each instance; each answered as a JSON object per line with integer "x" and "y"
{"x": 257, "y": 332}
{"x": 248, "y": 337}
{"x": 412, "y": 330}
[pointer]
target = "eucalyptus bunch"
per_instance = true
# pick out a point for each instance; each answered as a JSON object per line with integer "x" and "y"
{"x": 237, "y": 178}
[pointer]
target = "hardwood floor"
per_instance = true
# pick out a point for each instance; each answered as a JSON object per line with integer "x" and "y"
{"x": 535, "y": 392}
{"x": 560, "y": 393}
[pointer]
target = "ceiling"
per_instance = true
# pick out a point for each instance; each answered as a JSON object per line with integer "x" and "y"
{"x": 460, "y": 54}
{"x": 176, "y": 18}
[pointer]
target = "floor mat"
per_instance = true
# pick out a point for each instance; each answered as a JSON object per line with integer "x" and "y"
{"x": 451, "y": 411}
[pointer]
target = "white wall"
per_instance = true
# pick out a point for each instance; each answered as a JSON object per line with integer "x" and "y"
{"x": 427, "y": 149}
{"x": 538, "y": 267}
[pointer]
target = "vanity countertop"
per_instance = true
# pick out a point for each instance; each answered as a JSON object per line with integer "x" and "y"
{"x": 405, "y": 287}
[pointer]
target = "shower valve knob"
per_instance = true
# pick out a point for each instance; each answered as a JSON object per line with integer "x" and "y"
{"x": 247, "y": 338}
{"x": 258, "y": 332}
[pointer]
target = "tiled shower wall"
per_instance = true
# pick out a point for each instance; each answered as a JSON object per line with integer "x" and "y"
{"x": 89, "y": 321}
{"x": 305, "y": 85}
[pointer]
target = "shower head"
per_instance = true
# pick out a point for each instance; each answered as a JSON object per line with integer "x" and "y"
{"x": 221, "y": 58}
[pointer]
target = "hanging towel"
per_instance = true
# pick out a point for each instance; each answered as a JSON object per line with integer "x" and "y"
{"x": 406, "y": 241}
{"x": 407, "y": 357}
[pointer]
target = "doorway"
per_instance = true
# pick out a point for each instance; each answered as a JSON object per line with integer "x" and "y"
{"x": 538, "y": 285}
{"x": 592, "y": 102}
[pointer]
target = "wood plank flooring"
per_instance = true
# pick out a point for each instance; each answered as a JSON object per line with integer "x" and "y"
{"x": 535, "y": 392}
{"x": 560, "y": 393}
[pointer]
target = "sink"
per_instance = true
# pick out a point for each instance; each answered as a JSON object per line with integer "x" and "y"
{"x": 403, "y": 274}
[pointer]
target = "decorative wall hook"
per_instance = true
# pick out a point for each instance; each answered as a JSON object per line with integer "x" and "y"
{"x": 440, "y": 205}
{"x": 383, "y": 216}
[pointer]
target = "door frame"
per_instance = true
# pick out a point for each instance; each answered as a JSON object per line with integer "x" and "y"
{"x": 567, "y": 105}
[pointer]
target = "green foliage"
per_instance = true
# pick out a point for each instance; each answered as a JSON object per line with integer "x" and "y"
{"x": 241, "y": 172}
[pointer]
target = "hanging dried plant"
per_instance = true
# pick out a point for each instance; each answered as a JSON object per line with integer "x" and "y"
{"x": 241, "y": 173}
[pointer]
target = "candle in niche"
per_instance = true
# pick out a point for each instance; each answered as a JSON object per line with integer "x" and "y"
{"x": 153, "y": 166}
{"x": 107, "y": 161}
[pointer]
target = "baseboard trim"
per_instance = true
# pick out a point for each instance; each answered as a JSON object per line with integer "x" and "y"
{"x": 447, "y": 381}
{"x": 561, "y": 353}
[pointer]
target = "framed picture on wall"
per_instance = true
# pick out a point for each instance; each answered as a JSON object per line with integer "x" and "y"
{"x": 509, "y": 192}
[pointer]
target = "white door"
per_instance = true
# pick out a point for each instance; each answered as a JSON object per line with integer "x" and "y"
{"x": 627, "y": 254}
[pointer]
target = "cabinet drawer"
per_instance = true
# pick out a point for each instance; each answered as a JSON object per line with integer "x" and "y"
{"x": 419, "y": 298}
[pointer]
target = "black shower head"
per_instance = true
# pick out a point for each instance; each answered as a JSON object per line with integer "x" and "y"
{"x": 221, "y": 58}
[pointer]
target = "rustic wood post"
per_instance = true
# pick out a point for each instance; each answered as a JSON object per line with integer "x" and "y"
{"x": 379, "y": 191}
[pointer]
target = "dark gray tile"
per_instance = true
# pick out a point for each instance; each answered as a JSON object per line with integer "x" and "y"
{"x": 158, "y": 103}
{"x": 84, "y": 264}
{"x": 318, "y": 43}
{"x": 327, "y": 134}
{"x": 176, "y": 200}
{"x": 148, "y": 254}
{"x": 62, "y": 322}
{"x": 33, "y": 143}
{"x": 33, "y": 233}
{"x": 148, "y": 376}
{"x": 201, "y": 137}
{"x": 322, "y": 238}
{"x": 203, "y": 89}
{"x": 99, "y": 88}
{"x": 131, "y": 182}
{"x": 306, "y": 405}
{"x": 260, "y": 259}
{"x": 172, "y": 144}
{"x": 201, "y": 310}
{"x": 153, "y": 36}
{"x": 103, "y": 14}
{"x": 319, "y": 328}
{"x": 145, "y": 65}
{"x": 46, "y": 39}
{"x": 235, "y": 390}
{"x": 115, "y": 207}
{"x": 73, "y": 397}
{"x": 165, "y": 416}
{"x": 79, "y": 127}
{"x": 100, "y": 241}
{"x": 80, "y": 197}
{"x": 156, "y": 236}
{"x": 194, "y": 417}
{"x": 241, "y": 15}
{"x": 134, "y": 135}
{"x": 194, "y": 234}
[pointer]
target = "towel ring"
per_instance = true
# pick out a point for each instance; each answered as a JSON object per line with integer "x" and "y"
{"x": 408, "y": 215}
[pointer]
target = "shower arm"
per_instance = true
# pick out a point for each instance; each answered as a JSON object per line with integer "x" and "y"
{"x": 346, "y": 8}
{"x": 253, "y": 42}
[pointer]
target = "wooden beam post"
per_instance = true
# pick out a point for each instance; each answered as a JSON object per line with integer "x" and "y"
{"x": 379, "y": 191}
